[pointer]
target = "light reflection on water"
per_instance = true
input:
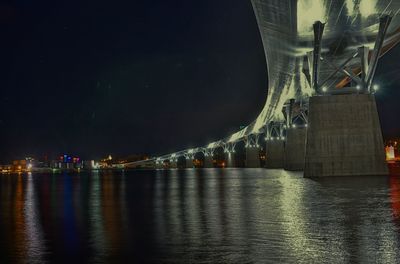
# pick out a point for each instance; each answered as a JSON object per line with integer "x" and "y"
{"x": 208, "y": 216}
{"x": 33, "y": 231}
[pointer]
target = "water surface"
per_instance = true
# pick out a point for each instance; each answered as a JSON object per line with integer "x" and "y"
{"x": 198, "y": 216}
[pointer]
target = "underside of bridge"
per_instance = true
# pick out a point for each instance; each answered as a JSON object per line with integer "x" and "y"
{"x": 320, "y": 114}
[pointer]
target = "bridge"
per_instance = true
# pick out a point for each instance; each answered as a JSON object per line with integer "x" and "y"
{"x": 320, "y": 113}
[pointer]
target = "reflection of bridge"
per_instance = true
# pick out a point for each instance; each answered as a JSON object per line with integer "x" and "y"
{"x": 320, "y": 114}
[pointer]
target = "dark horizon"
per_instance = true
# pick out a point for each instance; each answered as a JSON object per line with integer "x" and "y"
{"x": 93, "y": 79}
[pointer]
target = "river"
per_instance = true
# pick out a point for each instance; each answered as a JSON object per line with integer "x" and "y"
{"x": 198, "y": 216}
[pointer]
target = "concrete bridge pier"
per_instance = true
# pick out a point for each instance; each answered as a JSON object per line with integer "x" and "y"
{"x": 159, "y": 165}
{"x": 189, "y": 162}
{"x": 274, "y": 151}
{"x": 253, "y": 157}
{"x": 173, "y": 164}
{"x": 294, "y": 154}
{"x": 344, "y": 137}
{"x": 230, "y": 157}
{"x": 208, "y": 161}
{"x": 230, "y": 160}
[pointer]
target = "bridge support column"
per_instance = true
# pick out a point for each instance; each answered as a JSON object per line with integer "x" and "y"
{"x": 252, "y": 157}
{"x": 159, "y": 165}
{"x": 208, "y": 162}
{"x": 274, "y": 154}
{"x": 344, "y": 137}
{"x": 173, "y": 164}
{"x": 189, "y": 162}
{"x": 295, "y": 149}
{"x": 230, "y": 160}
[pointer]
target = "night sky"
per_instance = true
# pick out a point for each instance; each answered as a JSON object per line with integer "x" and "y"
{"x": 91, "y": 78}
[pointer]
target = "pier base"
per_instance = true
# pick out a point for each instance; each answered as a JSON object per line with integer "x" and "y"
{"x": 189, "y": 163}
{"x": 230, "y": 161}
{"x": 274, "y": 154}
{"x": 208, "y": 162}
{"x": 253, "y": 157}
{"x": 344, "y": 137}
{"x": 173, "y": 164}
{"x": 295, "y": 149}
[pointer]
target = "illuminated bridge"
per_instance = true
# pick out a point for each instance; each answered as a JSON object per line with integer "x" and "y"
{"x": 320, "y": 113}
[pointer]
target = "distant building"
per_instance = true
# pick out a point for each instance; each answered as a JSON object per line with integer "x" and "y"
{"x": 90, "y": 165}
{"x": 6, "y": 168}
{"x": 392, "y": 150}
{"x": 19, "y": 166}
{"x": 66, "y": 162}
{"x": 390, "y": 153}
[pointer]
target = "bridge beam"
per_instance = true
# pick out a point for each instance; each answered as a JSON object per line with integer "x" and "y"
{"x": 344, "y": 137}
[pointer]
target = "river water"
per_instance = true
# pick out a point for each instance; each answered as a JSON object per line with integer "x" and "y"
{"x": 198, "y": 216}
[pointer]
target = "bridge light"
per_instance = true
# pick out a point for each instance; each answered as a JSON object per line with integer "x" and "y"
{"x": 375, "y": 87}
{"x": 306, "y": 125}
{"x": 358, "y": 87}
{"x": 294, "y": 125}
{"x": 324, "y": 89}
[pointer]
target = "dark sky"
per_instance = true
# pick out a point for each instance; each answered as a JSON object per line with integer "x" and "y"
{"x": 96, "y": 77}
